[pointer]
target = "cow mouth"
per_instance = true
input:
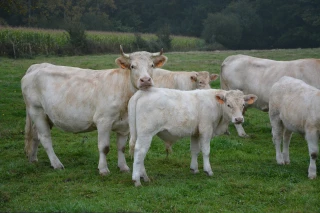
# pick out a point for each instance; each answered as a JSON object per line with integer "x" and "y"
{"x": 145, "y": 86}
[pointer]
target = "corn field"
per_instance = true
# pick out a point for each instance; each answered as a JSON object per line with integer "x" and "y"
{"x": 29, "y": 42}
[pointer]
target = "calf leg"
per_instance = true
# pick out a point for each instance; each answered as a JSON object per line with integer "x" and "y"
{"x": 205, "y": 149}
{"x": 195, "y": 150}
{"x": 277, "y": 134}
{"x": 286, "y": 142}
{"x": 33, "y": 153}
{"x": 121, "y": 143}
{"x": 241, "y": 131}
{"x": 141, "y": 148}
{"x": 312, "y": 138}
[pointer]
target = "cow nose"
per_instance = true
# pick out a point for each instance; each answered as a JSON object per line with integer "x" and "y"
{"x": 238, "y": 120}
{"x": 145, "y": 79}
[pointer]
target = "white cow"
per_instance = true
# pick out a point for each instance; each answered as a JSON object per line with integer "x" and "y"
{"x": 174, "y": 114}
{"x": 257, "y": 75}
{"x": 82, "y": 100}
{"x": 182, "y": 80}
{"x": 294, "y": 107}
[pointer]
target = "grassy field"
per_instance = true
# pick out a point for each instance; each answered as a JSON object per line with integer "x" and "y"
{"x": 246, "y": 176}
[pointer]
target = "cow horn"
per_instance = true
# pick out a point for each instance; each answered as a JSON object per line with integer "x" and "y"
{"x": 158, "y": 53}
{"x": 122, "y": 53}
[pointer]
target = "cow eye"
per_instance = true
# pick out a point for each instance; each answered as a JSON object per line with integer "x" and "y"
{"x": 229, "y": 105}
{"x": 131, "y": 66}
{"x": 152, "y": 65}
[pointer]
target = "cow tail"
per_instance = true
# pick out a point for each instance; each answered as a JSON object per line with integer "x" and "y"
{"x": 28, "y": 135}
{"x": 132, "y": 122}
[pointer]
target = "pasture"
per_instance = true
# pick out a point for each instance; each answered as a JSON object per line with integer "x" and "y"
{"x": 246, "y": 176}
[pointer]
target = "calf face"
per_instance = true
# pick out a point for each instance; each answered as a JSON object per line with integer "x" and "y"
{"x": 204, "y": 78}
{"x": 141, "y": 65}
{"x": 233, "y": 102}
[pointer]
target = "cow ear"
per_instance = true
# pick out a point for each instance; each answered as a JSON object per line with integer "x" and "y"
{"x": 159, "y": 61}
{"x": 214, "y": 77}
{"x": 220, "y": 98}
{"x": 193, "y": 78}
{"x": 250, "y": 99}
{"x": 124, "y": 63}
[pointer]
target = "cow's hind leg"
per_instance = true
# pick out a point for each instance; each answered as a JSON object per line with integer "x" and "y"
{"x": 121, "y": 145}
{"x": 286, "y": 142}
{"x": 141, "y": 148}
{"x": 277, "y": 135}
{"x": 42, "y": 125}
{"x": 312, "y": 138}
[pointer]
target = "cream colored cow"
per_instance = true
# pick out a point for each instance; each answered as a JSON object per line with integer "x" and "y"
{"x": 257, "y": 75}
{"x": 174, "y": 114}
{"x": 82, "y": 100}
{"x": 294, "y": 107}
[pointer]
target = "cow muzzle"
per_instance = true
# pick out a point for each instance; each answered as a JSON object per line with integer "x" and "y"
{"x": 238, "y": 120}
{"x": 145, "y": 82}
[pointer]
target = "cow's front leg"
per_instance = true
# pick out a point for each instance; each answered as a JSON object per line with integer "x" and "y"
{"x": 121, "y": 144}
{"x": 104, "y": 148}
{"x": 312, "y": 138}
{"x": 205, "y": 149}
{"x": 241, "y": 131}
{"x": 195, "y": 150}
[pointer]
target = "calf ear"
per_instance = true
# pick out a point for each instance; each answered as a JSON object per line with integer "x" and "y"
{"x": 193, "y": 78}
{"x": 250, "y": 99}
{"x": 124, "y": 63}
{"x": 220, "y": 98}
{"x": 214, "y": 77}
{"x": 159, "y": 61}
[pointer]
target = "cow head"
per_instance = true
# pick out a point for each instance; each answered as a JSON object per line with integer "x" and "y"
{"x": 141, "y": 65}
{"x": 233, "y": 102}
{"x": 204, "y": 78}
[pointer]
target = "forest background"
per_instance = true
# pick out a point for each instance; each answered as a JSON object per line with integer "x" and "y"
{"x": 241, "y": 24}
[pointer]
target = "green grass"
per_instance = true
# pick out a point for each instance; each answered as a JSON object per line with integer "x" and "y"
{"x": 246, "y": 176}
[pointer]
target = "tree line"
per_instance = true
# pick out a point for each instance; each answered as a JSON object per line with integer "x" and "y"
{"x": 234, "y": 24}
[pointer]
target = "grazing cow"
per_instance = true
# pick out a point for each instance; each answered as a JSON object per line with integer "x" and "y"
{"x": 294, "y": 107}
{"x": 82, "y": 100}
{"x": 257, "y": 75}
{"x": 174, "y": 114}
{"x": 182, "y": 80}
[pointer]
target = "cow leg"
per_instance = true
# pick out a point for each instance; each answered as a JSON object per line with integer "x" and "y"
{"x": 168, "y": 147}
{"x": 121, "y": 143}
{"x": 277, "y": 134}
{"x": 141, "y": 148}
{"x": 33, "y": 153}
{"x": 312, "y": 138}
{"x": 43, "y": 128}
{"x": 195, "y": 150}
{"x": 205, "y": 149}
{"x": 286, "y": 142}
{"x": 241, "y": 131}
{"x": 104, "y": 148}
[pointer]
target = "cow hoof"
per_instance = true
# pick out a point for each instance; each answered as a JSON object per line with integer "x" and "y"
{"x": 312, "y": 177}
{"x": 145, "y": 179}
{"x": 137, "y": 183}
{"x": 124, "y": 169}
{"x": 60, "y": 166}
{"x": 209, "y": 173}
{"x": 244, "y": 136}
{"x": 194, "y": 171}
{"x": 104, "y": 172}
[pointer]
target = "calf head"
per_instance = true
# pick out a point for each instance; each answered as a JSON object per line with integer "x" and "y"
{"x": 204, "y": 78}
{"x": 141, "y": 65}
{"x": 233, "y": 102}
